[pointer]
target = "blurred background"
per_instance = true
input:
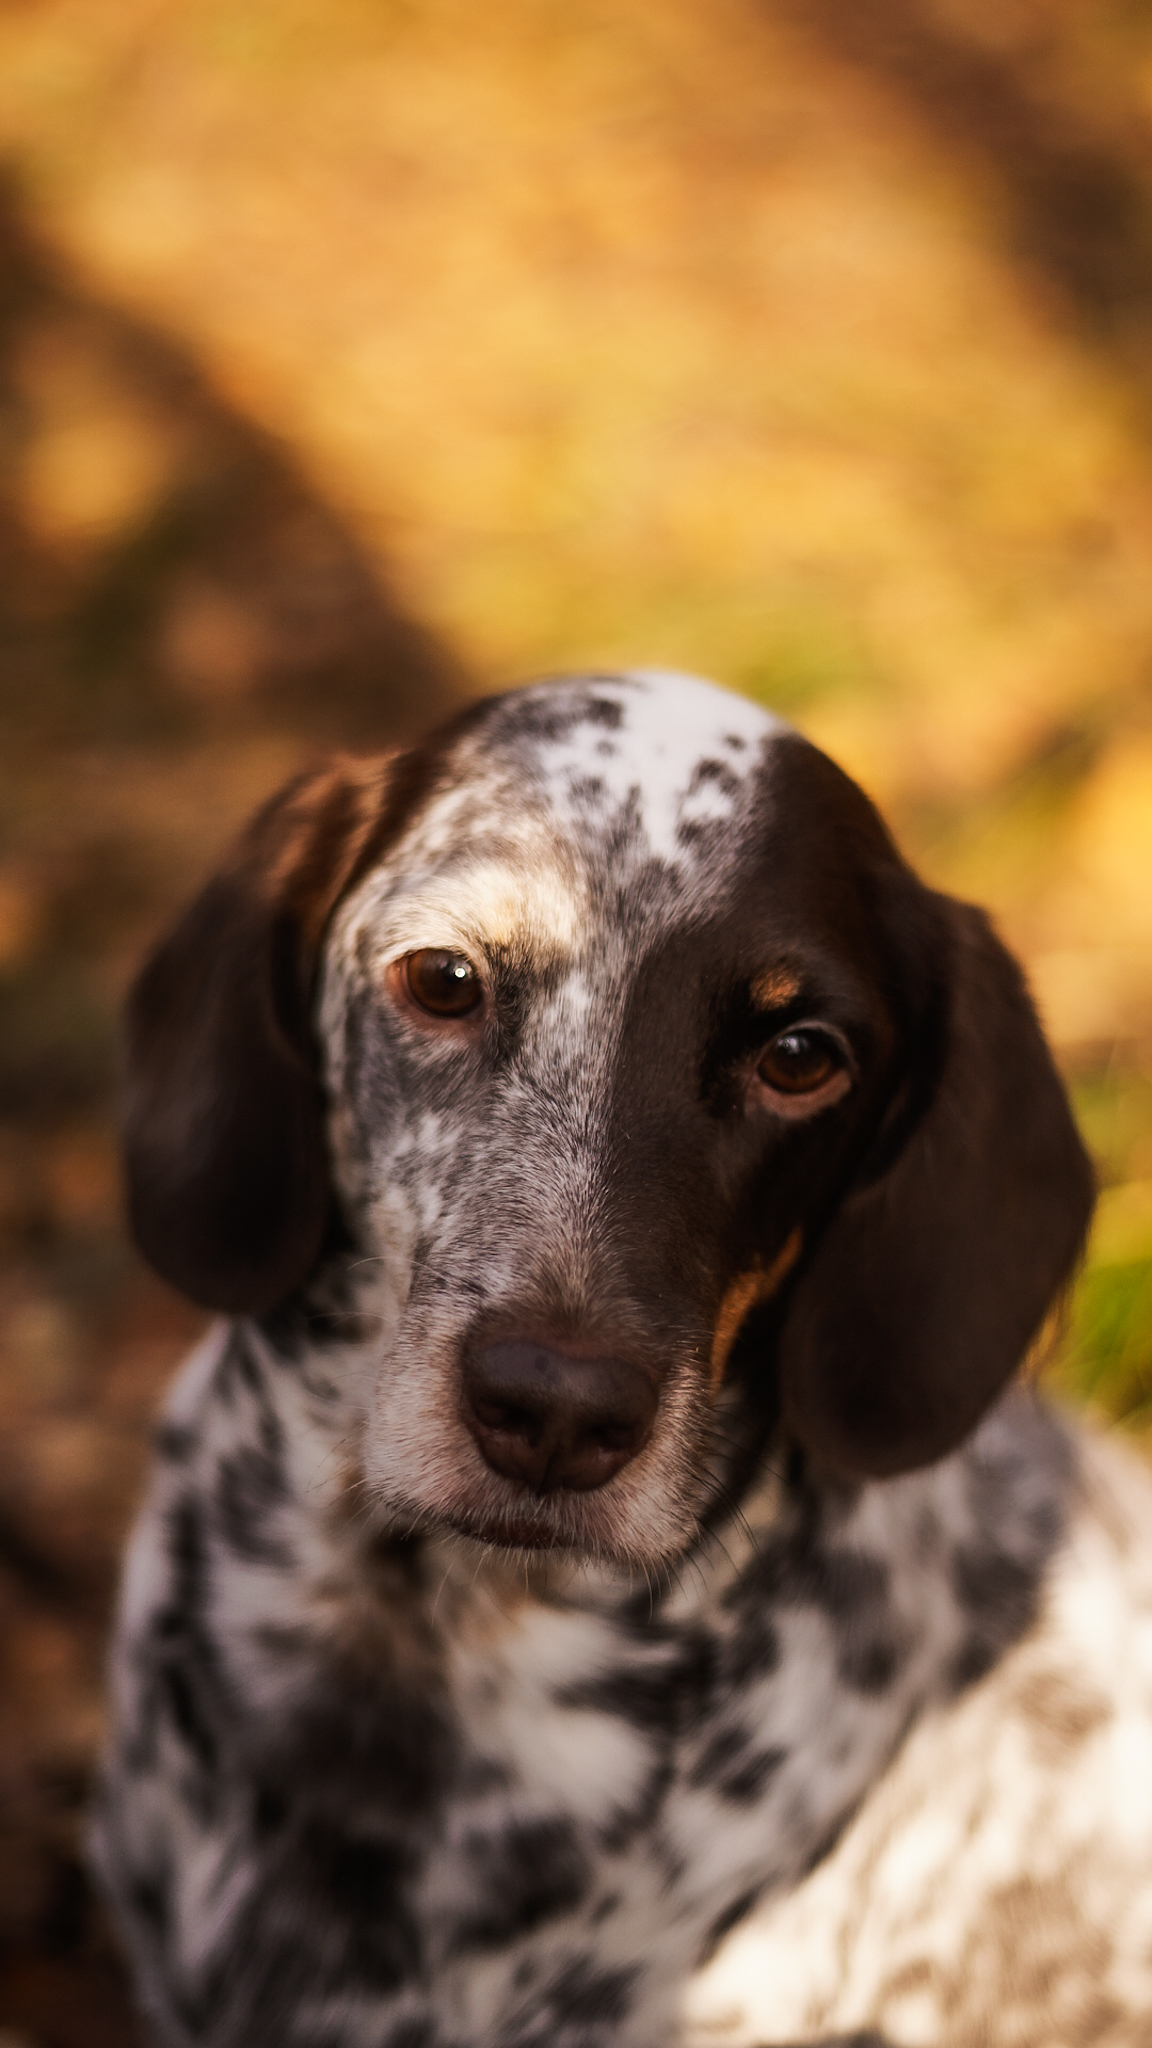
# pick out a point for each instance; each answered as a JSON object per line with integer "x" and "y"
{"x": 359, "y": 355}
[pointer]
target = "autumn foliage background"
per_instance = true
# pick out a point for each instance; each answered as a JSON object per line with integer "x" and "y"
{"x": 358, "y": 355}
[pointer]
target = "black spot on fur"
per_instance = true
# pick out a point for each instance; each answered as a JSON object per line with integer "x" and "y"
{"x": 996, "y": 1591}
{"x": 546, "y": 721}
{"x": 480, "y": 1775}
{"x": 1018, "y": 1482}
{"x": 604, "y": 1909}
{"x": 714, "y": 771}
{"x": 719, "y": 1754}
{"x": 174, "y": 1442}
{"x": 191, "y": 1723}
{"x": 151, "y": 1896}
{"x": 236, "y": 1371}
{"x": 648, "y": 1697}
{"x": 999, "y": 1595}
{"x": 870, "y": 1665}
{"x": 697, "y": 834}
{"x": 186, "y": 1553}
{"x": 604, "y": 711}
{"x": 366, "y": 1740}
{"x": 269, "y": 1810}
{"x": 185, "y": 1687}
{"x": 586, "y": 789}
{"x": 585, "y": 1995}
{"x": 250, "y": 1484}
{"x": 847, "y": 1583}
{"x": 370, "y": 1934}
{"x": 362, "y": 1876}
{"x": 744, "y": 1784}
{"x": 411, "y": 2034}
{"x": 753, "y": 1649}
{"x": 580, "y": 1996}
{"x": 638, "y": 1816}
{"x": 523, "y": 1876}
{"x": 732, "y": 1765}
{"x": 851, "y": 1587}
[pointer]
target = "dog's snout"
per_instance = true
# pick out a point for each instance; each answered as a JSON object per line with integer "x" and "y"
{"x": 550, "y": 1420}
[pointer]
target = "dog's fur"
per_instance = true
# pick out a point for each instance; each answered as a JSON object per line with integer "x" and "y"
{"x": 410, "y": 1753}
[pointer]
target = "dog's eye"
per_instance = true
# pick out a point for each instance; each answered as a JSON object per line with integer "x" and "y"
{"x": 800, "y": 1061}
{"x": 446, "y": 984}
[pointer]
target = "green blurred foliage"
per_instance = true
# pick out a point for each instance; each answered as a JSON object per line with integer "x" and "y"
{"x": 1108, "y": 1360}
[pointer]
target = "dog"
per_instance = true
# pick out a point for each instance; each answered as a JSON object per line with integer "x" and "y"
{"x": 600, "y": 1585}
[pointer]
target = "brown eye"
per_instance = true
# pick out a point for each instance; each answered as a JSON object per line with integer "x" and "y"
{"x": 445, "y": 984}
{"x": 800, "y": 1061}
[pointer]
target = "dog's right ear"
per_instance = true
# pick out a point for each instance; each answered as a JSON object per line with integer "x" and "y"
{"x": 228, "y": 1186}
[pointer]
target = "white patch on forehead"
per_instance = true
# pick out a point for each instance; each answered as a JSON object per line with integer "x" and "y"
{"x": 526, "y": 897}
{"x": 671, "y": 725}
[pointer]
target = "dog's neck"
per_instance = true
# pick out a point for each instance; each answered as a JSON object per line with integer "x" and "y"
{"x": 692, "y": 1740}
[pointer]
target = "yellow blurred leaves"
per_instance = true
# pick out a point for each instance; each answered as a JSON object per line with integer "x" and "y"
{"x": 1110, "y": 845}
{"x": 1123, "y": 1227}
{"x": 93, "y": 456}
{"x": 1097, "y": 982}
{"x": 609, "y": 328}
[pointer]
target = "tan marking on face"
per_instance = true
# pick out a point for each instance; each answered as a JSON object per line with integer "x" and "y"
{"x": 773, "y": 988}
{"x": 501, "y": 903}
{"x": 485, "y": 903}
{"x": 745, "y": 1293}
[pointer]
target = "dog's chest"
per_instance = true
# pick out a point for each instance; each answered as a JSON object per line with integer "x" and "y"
{"x": 486, "y": 1801}
{"x": 656, "y": 1769}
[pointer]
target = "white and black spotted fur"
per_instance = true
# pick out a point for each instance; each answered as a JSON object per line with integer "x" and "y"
{"x": 409, "y": 1752}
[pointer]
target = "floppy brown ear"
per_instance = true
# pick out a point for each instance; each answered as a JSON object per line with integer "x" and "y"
{"x": 931, "y": 1280}
{"x": 228, "y": 1187}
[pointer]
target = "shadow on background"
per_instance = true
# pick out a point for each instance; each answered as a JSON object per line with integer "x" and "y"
{"x": 181, "y": 619}
{"x": 1071, "y": 180}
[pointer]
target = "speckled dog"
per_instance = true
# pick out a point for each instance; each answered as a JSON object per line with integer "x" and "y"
{"x": 632, "y": 1190}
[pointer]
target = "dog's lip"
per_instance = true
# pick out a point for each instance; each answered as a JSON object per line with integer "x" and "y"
{"x": 513, "y": 1528}
{"x": 526, "y": 1535}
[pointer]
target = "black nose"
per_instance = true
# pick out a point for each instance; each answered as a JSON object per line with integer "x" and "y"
{"x": 550, "y": 1420}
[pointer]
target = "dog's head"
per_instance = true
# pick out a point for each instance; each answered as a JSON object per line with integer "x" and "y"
{"x": 639, "y": 1067}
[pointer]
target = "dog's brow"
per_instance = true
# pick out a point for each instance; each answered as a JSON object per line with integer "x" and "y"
{"x": 522, "y": 894}
{"x": 776, "y": 986}
{"x": 498, "y": 901}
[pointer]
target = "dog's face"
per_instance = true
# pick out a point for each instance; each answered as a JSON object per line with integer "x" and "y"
{"x": 597, "y": 1033}
{"x": 632, "y": 1035}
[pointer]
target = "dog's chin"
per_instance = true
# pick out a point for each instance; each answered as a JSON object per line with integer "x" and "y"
{"x": 574, "y": 1527}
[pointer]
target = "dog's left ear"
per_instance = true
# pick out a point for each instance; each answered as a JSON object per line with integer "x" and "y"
{"x": 228, "y": 1185}
{"x": 935, "y": 1273}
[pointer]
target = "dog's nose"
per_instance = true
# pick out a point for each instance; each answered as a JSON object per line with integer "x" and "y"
{"x": 549, "y": 1419}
